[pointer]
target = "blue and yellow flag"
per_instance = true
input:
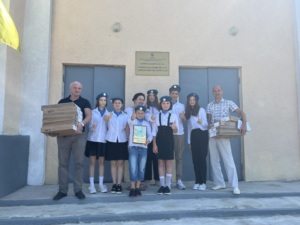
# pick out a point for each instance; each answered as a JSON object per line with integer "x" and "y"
{"x": 8, "y": 31}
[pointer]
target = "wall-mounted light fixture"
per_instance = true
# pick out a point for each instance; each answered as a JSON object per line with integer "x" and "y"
{"x": 116, "y": 27}
{"x": 233, "y": 31}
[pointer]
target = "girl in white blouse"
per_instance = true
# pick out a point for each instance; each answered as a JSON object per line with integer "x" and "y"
{"x": 197, "y": 139}
{"x": 163, "y": 143}
{"x": 96, "y": 143}
{"x": 117, "y": 145}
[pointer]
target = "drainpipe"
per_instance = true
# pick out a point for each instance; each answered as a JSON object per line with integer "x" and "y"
{"x": 297, "y": 56}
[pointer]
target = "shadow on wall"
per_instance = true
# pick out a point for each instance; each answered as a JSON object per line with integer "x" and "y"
{"x": 14, "y": 153}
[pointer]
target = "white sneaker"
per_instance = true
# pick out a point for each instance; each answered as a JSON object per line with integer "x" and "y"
{"x": 218, "y": 187}
{"x": 180, "y": 185}
{"x": 196, "y": 187}
{"x": 102, "y": 188}
{"x": 202, "y": 187}
{"x": 92, "y": 190}
{"x": 236, "y": 191}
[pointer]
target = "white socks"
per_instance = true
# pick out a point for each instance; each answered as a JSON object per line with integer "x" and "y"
{"x": 168, "y": 179}
{"x": 92, "y": 182}
{"x": 101, "y": 181}
{"x": 162, "y": 181}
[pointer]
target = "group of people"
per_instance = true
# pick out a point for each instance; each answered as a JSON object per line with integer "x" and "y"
{"x": 112, "y": 137}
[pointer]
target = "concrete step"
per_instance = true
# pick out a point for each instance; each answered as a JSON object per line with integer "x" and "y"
{"x": 34, "y": 205}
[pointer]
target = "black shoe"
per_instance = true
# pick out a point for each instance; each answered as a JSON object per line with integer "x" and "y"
{"x": 113, "y": 189}
{"x": 132, "y": 193}
{"x": 80, "y": 195}
{"x": 138, "y": 192}
{"x": 59, "y": 195}
{"x": 161, "y": 190}
{"x": 167, "y": 190}
{"x": 119, "y": 189}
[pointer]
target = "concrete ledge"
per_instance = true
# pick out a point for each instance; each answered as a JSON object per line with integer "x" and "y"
{"x": 14, "y": 154}
{"x": 151, "y": 197}
{"x": 224, "y": 213}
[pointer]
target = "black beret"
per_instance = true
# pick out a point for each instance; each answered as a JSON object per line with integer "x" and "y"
{"x": 140, "y": 107}
{"x": 175, "y": 87}
{"x": 117, "y": 98}
{"x": 152, "y": 91}
{"x": 193, "y": 94}
{"x": 137, "y": 95}
{"x": 103, "y": 94}
{"x": 165, "y": 98}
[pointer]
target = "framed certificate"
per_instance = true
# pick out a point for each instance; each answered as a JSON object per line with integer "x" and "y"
{"x": 139, "y": 134}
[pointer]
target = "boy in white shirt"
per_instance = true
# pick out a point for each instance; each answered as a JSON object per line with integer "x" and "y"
{"x": 178, "y": 109}
{"x": 138, "y": 148}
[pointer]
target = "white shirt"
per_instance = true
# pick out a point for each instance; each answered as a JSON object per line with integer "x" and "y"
{"x": 192, "y": 123}
{"x": 131, "y": 123}
{"x": 164, "y": 121}
{"x": 178, "y": 108}
{"x": 148, "y": 116}
{"x": 129, "y": 111}
{"x": 148, "y": 113}
{"x": 98, "y": 134}
{"x": 116, "y": 128}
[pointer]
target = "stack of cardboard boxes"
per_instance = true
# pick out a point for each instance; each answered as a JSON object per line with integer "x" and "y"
{"x": 61, "y": 119}
{"x": 227, "y": 128}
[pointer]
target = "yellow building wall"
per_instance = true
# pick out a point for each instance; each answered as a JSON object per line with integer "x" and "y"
{"x": 196, "y": 33}
{"x": 12, "y": 81}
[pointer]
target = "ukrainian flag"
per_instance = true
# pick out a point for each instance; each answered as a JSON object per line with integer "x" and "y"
{"x": 8, "y": 31}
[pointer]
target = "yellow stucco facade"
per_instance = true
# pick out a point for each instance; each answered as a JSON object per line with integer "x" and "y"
{"x": 196, "y": 33}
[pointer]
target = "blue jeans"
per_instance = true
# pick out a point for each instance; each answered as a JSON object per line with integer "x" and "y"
{"x": 137, "y": 163}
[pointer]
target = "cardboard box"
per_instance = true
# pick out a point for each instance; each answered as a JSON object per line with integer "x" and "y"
{"x": 227, "y": 128}
{"x": 59, "y": 116}
{"x": 61, "y": 108}
{"x": 60, "y": 119}
{"x": 225, "y": 123}
{"x": 58, "y": 127}
{"x": 231, "y": 118}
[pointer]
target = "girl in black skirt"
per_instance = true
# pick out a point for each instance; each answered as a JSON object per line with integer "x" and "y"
{"x": 197, "y": 139}
{"x": 163, "y": 142}
{"x": 95, "y": 145}
{"x": 117, "y": 145}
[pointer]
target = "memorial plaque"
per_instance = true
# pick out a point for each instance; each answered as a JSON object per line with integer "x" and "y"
{"x": 152, "y": 63}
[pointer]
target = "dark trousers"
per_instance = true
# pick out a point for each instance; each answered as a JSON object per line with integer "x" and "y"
{"x": 152, "y": 163}
{"x": 199, "y": 147}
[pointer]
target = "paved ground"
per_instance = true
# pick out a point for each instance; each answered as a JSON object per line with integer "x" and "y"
{"x": 276, "y": 202}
